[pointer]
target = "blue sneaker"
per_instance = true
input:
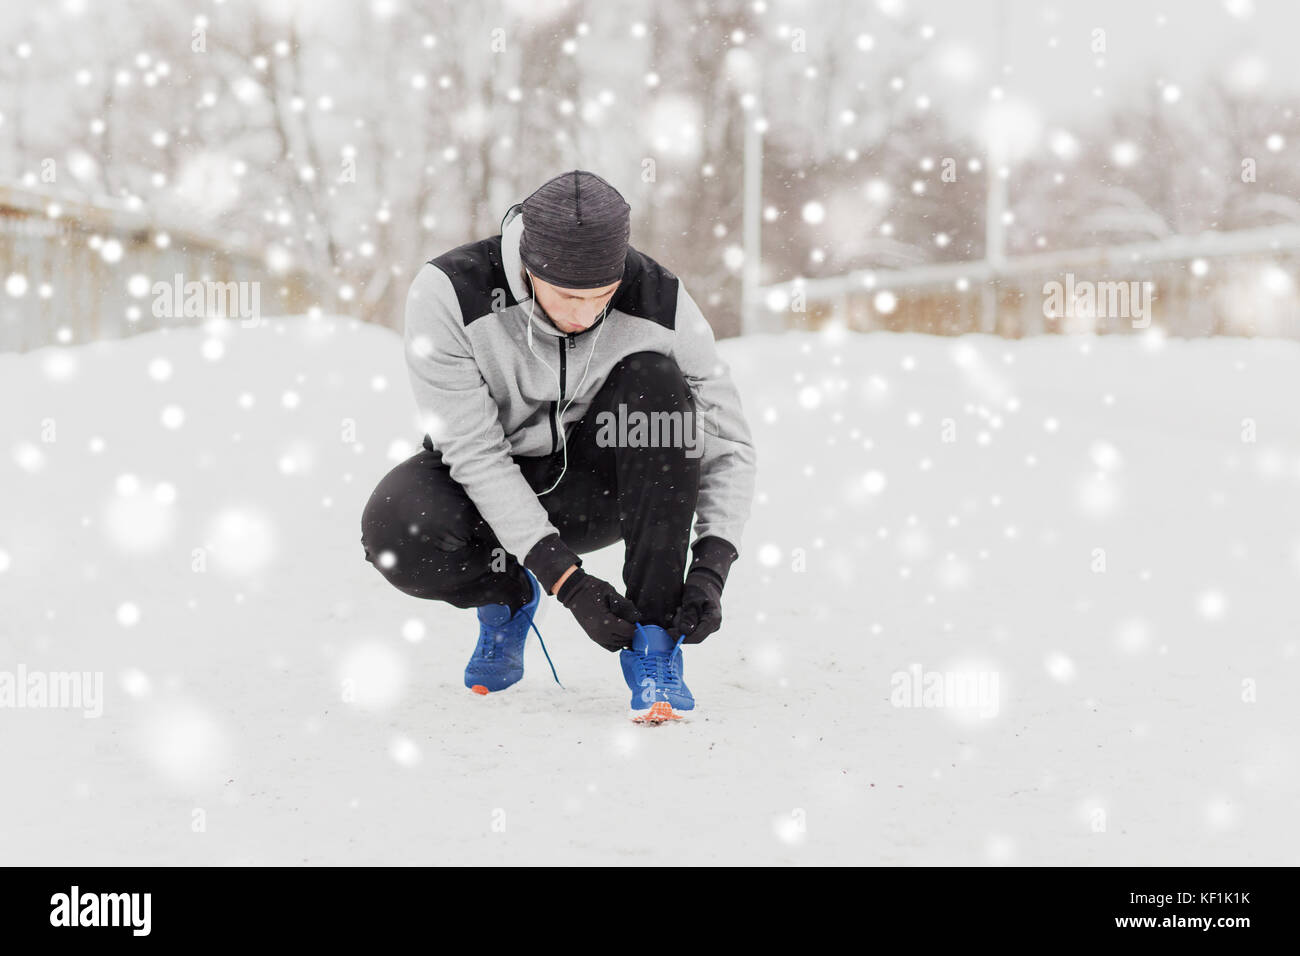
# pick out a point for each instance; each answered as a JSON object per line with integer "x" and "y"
{"x": 654, "y": 673}
{"x": 498, "y": 660}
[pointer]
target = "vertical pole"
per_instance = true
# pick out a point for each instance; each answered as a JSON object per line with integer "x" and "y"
{"x": 995, "y": 237}
{"x": 751, "y": 317}
{"x": 995, "y": 252}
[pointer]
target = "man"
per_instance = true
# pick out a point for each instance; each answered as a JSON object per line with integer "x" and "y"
{"x": 529, "y": 353}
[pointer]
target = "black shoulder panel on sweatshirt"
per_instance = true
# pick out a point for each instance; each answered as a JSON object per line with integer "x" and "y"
{"x": 649, "y": 291}
{"x": 479, "y": 278}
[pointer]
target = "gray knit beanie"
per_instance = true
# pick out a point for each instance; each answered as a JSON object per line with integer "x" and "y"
{"x": 576, "y": 230}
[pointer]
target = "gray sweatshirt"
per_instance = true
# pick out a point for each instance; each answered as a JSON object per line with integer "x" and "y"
{"x": 484, "y": 395}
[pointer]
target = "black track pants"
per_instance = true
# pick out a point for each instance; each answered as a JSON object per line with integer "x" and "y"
{"x": 442, "y": 549}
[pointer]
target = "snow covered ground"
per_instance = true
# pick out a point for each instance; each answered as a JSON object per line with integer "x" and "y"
{"x": 1103, "y": 535}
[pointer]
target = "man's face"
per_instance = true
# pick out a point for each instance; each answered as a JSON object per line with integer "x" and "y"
{"x": 571, "y": 310}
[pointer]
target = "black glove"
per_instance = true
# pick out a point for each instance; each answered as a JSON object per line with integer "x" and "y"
{"x": 606, "y": 616}
{"x": 701, "y": 611}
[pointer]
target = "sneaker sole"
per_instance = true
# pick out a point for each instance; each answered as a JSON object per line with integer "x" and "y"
{"x": 660, "y": 712}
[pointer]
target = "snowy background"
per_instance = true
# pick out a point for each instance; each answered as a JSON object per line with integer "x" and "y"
{"x": 326, "y": 148}
{"x": 1097, "y": 518}
{"x": 1122, "y": 692}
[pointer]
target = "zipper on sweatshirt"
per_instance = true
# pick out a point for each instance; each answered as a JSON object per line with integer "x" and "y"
{"x": 562, "y": 382}
{"x": 572, "y": 338}
{"x": 555, "y": 414}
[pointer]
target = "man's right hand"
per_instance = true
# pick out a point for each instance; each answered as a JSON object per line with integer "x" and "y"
{"x": 606, "y": 616}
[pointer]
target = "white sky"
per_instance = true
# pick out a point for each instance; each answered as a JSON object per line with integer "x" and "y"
{"x": 1251, "y": 41}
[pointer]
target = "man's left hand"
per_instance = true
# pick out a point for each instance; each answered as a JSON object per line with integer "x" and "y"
{"x": 700, "y": 613}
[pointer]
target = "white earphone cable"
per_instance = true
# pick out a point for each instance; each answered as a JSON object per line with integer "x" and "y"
{"x": 560, "y": 413}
